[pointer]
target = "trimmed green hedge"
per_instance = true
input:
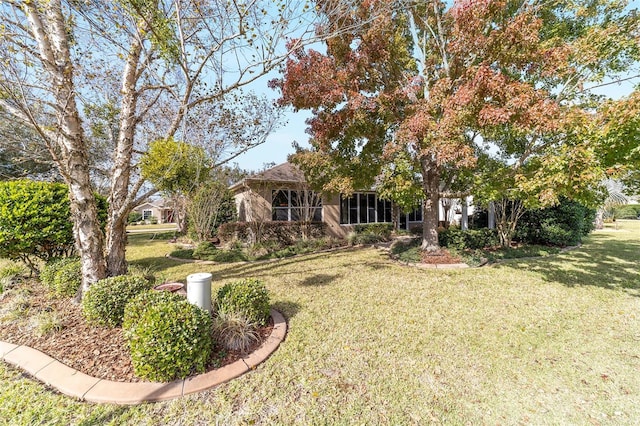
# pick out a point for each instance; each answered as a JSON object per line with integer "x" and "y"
{"x": 169, "y": 338}
{"x": 248, "y": 297}
{"x": 562, "y": 225}
{"x": 471, "y": 239}
{"x": 104, "y": 302}
{"x": 35, "y": 220}
{"x": 285, "y": 233}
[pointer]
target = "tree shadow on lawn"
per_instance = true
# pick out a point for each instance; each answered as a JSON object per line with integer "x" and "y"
{"x": 287, "y": 308}
{"x": 304, "y": 267}
{"x": 603, "y": 261}
{"x": 107, "y": 417}
{"x": 320, "y": 280}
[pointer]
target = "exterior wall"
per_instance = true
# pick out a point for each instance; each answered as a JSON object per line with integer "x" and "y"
{"x": 331, "y": 216}
{"x": 254, "y": 204}
{"x": 155, "y": 211}
{"x": 162, "y": 214}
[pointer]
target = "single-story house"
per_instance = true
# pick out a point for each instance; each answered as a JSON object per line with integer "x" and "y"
{"x": 158, "y": 208}
{"x": 281, "y": 193}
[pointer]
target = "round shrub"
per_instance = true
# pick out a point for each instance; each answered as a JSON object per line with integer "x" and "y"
{"x": 136, "y": 306}
{"x": 249, "y": 297}
{"x": 35, "y": 220}
{"x": 49, "y": 270}
{"x": 68, "y": 279}
{"x": 168, "y": 337}
{"x": 104, "y": 302}
{"x": 204, "y": 250}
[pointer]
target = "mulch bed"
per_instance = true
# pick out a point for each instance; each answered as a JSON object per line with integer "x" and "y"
{"x": 442, "y": 257}
{"x": 97, "y": 351}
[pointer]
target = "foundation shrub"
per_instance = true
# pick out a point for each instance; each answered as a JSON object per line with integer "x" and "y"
{"x": 68, "y": 279}
{"x": 168, "y": 337}
{"x": 248, "y": 297}
{"x": 471, "y": 239}
{"x": 104, "y": 302}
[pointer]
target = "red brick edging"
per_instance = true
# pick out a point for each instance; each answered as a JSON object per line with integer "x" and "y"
{"x": 84, "y": 387}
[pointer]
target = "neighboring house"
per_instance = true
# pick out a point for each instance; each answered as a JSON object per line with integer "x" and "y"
{"x": 282, "y": 194}
{"x": 156, "y": 208}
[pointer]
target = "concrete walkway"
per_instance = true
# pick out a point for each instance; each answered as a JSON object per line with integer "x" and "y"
{"x": 79, "y": 385}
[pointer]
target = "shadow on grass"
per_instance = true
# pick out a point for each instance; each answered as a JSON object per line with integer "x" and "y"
{"x": 106, "y": 417}
{"x": 302, "y": 266}
{"x": 605, "y": 261}
{"x": 287, "y": 308}
{"x": 319, "y": 280}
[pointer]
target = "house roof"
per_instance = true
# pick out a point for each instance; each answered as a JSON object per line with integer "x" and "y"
{"x": 156, "y": 204}
{"x": 282, "y": 173}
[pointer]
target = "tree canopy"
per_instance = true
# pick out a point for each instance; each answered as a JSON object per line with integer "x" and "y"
{"x": 444, "y": 85}
{"x": 107, "y": 77}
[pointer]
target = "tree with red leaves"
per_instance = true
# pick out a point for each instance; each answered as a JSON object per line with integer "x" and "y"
{"x": 441, "y": 84}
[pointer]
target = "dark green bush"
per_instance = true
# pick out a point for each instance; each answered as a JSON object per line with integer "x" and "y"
{"x": 383, "y": 230}
{"x": 135, "y": 307}
{"x": 134, "y": 217}
{"x": 49, "y": 270}
{"x": 366, "y": 238}
{"x": 554, "y": 234}
{"x": 284, "y": 233}
{"x": 68, "y": 278}
{"x": 182, "y": 253}
{"x": 204, "y": 250}
{"x": 248, "y": 297}
{"x": 471, "y": 239}
{"x": 561, "y": 225}
{"x": 208, "y": 251}
{"x": 168, "y": 337}
{"x": 105, "y": 300}
{"x": 35, "y": 220}
{"x": 228, "y": 256}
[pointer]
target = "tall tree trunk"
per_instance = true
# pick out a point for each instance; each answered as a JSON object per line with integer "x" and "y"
{"x": 430, "y": 206}
{"x": 119, "y": 198}
{"x": 53, "y": 46}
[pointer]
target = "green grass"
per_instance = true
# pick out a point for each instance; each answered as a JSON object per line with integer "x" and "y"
{"x": 554, "y": 340}
{"x": 151, "y": 228}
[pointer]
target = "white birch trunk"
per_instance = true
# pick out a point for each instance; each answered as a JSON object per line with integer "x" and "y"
{"x": 50, "y": 33}
{"x": 119, "y": 199}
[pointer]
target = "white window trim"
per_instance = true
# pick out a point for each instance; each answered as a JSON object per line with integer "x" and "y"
{"x": 289, "y": 208}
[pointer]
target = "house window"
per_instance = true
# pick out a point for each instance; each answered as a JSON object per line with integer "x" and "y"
{"x": 146, "y": 214}
{"x": 416, "y": 215}
{"x": 292, "y": 206}
{"x": 364, "y": 208}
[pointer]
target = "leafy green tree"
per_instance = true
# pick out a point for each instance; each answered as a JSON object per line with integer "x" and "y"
{"x": 120, "y": 73}
{"x": 177, "y": 169}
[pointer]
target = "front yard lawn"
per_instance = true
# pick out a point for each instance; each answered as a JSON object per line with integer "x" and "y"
{"x": 555, "y": 340}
